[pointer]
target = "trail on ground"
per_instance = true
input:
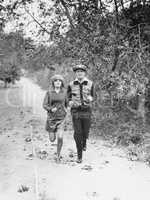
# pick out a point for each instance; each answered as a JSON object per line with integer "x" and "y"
{"x": 28, "y": 168}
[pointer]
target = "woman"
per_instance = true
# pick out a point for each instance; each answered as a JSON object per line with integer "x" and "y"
{"x": 55, "y": 103}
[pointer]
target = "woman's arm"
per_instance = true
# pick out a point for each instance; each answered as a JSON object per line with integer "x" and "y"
{"x": 46, "y": 102}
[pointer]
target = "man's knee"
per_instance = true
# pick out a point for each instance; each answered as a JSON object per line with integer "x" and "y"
{"x": 59, "y": 140}
{"x": 78, "y": 137}
{"x": 60, "y": 135}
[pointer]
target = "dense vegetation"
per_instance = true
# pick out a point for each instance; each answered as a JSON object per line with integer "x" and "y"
{"x": 13, "y": 56}
{"x": 111, "y": 37}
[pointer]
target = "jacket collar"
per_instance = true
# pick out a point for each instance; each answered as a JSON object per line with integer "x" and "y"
{"x": 84, "y": 81}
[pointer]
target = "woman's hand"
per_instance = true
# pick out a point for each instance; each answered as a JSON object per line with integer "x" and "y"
{"x": 54, "y": 109}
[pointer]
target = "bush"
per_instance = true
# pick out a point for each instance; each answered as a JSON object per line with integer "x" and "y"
{"x": 9, "y": 74}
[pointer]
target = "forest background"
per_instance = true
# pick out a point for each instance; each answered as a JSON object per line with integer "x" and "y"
{"x": 111, "y": 37}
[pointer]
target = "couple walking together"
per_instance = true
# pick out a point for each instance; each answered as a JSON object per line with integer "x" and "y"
{"x": 78, "y": 97}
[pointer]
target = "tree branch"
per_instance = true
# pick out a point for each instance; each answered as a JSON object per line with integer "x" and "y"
{"x": 79, "y": 12}
{"x": 122, "y": 5}
{"x": 37, "y": 21}
{"x": 116, "y": 10}
{"x": 116, "y": 57}
{"x": 136, "y": 112}
{"x": 67, "y": 14}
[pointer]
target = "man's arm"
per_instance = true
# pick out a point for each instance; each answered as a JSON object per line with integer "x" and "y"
{"x": 93, "y": 94}
{"x": 91, "y": 98}
{"x": 69, "y": 96}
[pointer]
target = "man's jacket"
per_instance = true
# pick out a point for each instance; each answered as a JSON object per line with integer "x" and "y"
{"x": 81, "y": 93}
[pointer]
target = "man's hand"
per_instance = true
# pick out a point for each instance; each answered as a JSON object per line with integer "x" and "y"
{"x": 71, "y": 103}
{"x": 90, "y": 98}
{"x": 54, "y": 109}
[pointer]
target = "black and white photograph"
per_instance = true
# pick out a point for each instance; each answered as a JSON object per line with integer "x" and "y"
{"x": 74, "y": 100}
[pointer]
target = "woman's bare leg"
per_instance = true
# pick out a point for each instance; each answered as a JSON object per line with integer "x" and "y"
{"x": 59, "y": 143}
{"x": 52, "y": 136}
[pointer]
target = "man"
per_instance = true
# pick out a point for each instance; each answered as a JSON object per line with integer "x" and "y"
{"x": 80, "y": 96}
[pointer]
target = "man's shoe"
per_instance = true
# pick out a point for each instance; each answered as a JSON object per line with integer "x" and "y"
{"x": 79, "y": 160}
{"x": 58, "y": 159}
{"x": 84, "y": 148}
{"x": 84, "y": 145}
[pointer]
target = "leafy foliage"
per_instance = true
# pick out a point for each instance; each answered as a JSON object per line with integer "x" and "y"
{"x": 13, "y": 49}
{"x": 113, "y": 43}
{"x": 9, "y": 73}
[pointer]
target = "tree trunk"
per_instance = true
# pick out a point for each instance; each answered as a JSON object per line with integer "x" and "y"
{"x": 5, "y": 84}
{"x": 67, "y": 14}
{"x": 116, "y": 57}
{"x": 13, "y": 81}
{"x": 141, "y": 108}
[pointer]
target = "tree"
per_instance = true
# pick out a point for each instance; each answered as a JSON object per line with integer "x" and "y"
{"x": 9, "y": 73}
{"x": 110, "y": 38}
{"x": 13, "y": 56}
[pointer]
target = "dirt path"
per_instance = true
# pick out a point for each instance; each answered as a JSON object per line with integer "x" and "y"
{"x": 105, "y": 174}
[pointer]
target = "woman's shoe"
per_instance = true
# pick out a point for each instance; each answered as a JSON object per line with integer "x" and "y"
{"x": 79, "y": 160}
{"x": 58, "y": 158}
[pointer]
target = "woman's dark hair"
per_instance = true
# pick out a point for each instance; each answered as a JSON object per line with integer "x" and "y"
{"x": 62, "y": 84}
